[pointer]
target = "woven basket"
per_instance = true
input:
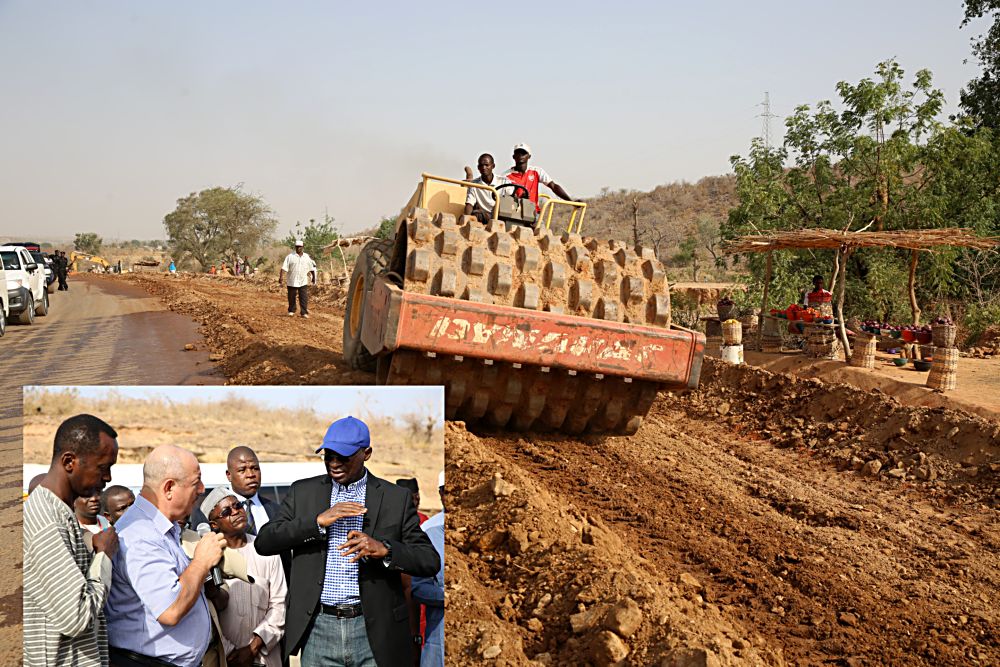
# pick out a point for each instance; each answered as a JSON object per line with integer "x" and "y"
{"x": 946, "y": 358}
{"x": 732, "y": 333}
{"x": 943, "y": 335}
{"x": 863, "y": 354}
{"x": 942, "y": 380}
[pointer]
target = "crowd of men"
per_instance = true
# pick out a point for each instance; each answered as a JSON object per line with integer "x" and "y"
{"x": 337, "y": 573}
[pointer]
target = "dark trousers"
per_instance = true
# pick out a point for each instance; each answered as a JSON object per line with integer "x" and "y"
{"x": 62, "y": 280}
{"x": 303, "y": 293}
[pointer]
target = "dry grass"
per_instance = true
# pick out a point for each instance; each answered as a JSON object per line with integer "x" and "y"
{"x": 412, "y": 446}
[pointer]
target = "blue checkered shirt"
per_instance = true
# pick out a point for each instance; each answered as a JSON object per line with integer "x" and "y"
{"x": 340, "y": 582}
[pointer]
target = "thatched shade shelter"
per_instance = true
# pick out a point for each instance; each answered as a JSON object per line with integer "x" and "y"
{"x": 844, "y": 243}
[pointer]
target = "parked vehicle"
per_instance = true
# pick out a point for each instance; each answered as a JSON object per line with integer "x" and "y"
{"x": 4, "y": 302}
{"x": 50, "y": 269}
{"x": 25, "y": 284}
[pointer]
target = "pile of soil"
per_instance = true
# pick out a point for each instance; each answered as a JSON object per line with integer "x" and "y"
{"x": 733, "y": 528}
{"x": 987, "y": 346}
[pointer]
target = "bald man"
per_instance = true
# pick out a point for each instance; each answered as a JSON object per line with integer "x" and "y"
{"x": 157, "y": 609}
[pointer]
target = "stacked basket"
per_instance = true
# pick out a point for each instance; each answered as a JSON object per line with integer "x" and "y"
{"x": 770, "y": 334}
{"x": 822, "y": 342}
{"x": 863, "y": 354}
{"x": 732, "y": 342}
{"x": 944, "y": 366}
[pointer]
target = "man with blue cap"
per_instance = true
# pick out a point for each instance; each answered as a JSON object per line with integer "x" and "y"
{"x": 352, "y": 535}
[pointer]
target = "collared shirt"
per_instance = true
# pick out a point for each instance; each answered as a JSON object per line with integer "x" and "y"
{"x": 484, "y": 198}
{"x": 64, "y": 588}
{"x": 297, "y": 269}
{"x": 340, "y": 581}
{"x": 146, "y": 581}
{"x": 257, "y": 608}
{"x": 430, "y": 590}
{"x": 530, "y": 180}
{"x": 260, "y": 516}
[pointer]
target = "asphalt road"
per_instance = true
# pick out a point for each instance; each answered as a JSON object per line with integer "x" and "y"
{"x": 100, "y": 332}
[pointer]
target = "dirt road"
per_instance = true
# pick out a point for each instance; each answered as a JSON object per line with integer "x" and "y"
{"x": 746, "y": 522}
{"x": 102, "y": 331}
{"x": 763, "y": 519}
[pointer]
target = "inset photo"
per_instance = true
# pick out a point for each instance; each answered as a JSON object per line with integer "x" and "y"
{"x": 241, "y": 526}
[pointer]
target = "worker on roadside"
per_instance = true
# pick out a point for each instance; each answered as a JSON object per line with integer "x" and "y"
{"x": 479, "y": 202}
{"x": 530, "y": 177}
{"x": 62, "y": 269}
{"x": 819, "y": 298}
{"x": 301, "y": 271}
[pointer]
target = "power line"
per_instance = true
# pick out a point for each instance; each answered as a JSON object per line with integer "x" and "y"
{"x": 766, "y": 117}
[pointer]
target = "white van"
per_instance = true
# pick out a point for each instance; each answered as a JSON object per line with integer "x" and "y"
{"x": 24, "y": 283}
{"x": 4, "y": 301}
{"x": 275, "y": 477}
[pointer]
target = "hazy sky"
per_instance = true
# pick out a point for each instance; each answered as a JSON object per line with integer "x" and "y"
{"x": 391, "y": 401}
{"x": 111, "y": 111}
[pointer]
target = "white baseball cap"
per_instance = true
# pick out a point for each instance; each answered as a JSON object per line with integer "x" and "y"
{"x": 522, "y": 147}
{"x": 298, "y": 242}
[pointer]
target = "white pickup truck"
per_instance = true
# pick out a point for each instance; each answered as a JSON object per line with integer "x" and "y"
{"x": 24, "y": 283}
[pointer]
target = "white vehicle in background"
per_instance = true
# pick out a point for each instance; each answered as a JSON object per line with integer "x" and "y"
{"x": 4, "y": 302}
{"x": 25, "y": 284}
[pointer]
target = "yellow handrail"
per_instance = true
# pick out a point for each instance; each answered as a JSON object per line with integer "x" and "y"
{"x": 468, "y": 184}
{"x": 578, "y": 207}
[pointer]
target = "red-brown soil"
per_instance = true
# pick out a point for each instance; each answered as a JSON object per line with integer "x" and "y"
{"x": 762, "y": 519}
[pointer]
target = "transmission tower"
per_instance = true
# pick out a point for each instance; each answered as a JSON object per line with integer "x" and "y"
{"x": 766, "y": 117}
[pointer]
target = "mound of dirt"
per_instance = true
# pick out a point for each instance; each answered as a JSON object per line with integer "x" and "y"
{"x": 954, "y": 453}
{"x": 563, "y": 588}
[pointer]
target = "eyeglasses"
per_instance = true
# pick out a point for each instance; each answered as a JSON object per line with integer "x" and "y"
{"x": 227, "y": 511}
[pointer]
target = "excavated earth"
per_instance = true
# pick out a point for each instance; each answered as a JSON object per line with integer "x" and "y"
{"x": 761, "y": 519}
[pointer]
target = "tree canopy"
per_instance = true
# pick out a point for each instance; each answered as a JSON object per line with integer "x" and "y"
{"x": 879, "y": 159}
{"x": 314, "y": 236}
{"x": 213, "y": 225}
{"x": 981, "y": 97}
{"x": 88, "y": 242}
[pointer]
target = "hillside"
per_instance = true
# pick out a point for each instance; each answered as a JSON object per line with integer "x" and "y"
{"x": 665, "y": 215}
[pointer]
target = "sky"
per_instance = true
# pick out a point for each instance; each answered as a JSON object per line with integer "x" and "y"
{"x": 114, "y": 110}
{"x": 334, "y": 402}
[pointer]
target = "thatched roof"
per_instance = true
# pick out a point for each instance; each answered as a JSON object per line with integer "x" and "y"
{"x": 831, "y": 239}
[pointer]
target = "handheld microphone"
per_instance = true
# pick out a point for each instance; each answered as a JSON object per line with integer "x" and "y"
{"x": 216, "y": 571}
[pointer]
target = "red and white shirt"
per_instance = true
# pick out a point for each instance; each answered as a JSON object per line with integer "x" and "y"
{"x": 530, "y": 180}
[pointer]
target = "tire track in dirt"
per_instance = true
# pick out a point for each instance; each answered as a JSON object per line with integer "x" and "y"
{"x": 795, "y": 557}
{"x": 101, "y": 332}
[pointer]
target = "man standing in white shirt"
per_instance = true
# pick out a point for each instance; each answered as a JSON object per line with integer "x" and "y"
{"x": 479, "y": 202}
{"x": 301, "y": 271}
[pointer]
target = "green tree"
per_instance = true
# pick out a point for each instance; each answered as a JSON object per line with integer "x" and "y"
{"x": 88, "y": 242}
{"x": 212, "y": 225}
{"x": 981, "y": 97}
{"x": 386, "y": 228}
{"x": 862, "y": 167}
{"x": 315, "y": 236}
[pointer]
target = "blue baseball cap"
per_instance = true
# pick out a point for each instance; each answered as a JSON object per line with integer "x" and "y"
{"x": 346, "y": 436}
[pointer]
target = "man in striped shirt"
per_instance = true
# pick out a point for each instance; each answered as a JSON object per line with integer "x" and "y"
{"x": 64, "y": 585}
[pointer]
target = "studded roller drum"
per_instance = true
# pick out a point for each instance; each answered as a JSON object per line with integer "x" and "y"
{"x": 537, "y": 270}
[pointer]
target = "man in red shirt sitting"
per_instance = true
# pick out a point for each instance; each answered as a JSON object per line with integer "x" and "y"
{"x": 530, "y": 177}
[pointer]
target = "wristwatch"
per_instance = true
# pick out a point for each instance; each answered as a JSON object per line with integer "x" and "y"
{"x": 387, "y": 559}
{"x": 418, "y": 640}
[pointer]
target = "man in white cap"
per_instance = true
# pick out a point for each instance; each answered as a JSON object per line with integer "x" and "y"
{"x": 352, "y": 535}
{"x": 429, "y": 591}
{"x": 301, "y": 270}
{"x": 530, "y": 177}
{"x": 253, "y": 622}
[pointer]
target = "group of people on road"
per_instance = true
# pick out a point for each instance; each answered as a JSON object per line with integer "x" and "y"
{"x": 60, "y": 265}
{"x": 114, "y": 578}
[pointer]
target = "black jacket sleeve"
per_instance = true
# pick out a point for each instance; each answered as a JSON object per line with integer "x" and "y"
{"x": 413, "y": 553}
{"x": 287, "y": 530}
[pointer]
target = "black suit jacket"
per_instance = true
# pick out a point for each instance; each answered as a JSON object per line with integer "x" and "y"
{"x": 390, "y": 517}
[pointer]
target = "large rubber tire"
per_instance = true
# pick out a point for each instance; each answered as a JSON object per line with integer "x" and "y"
{"x": 372, "y": 261}
{"x": 27, "y": 316}
{"x": 3, "y": 322}
{"x": 43, "y": 308}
